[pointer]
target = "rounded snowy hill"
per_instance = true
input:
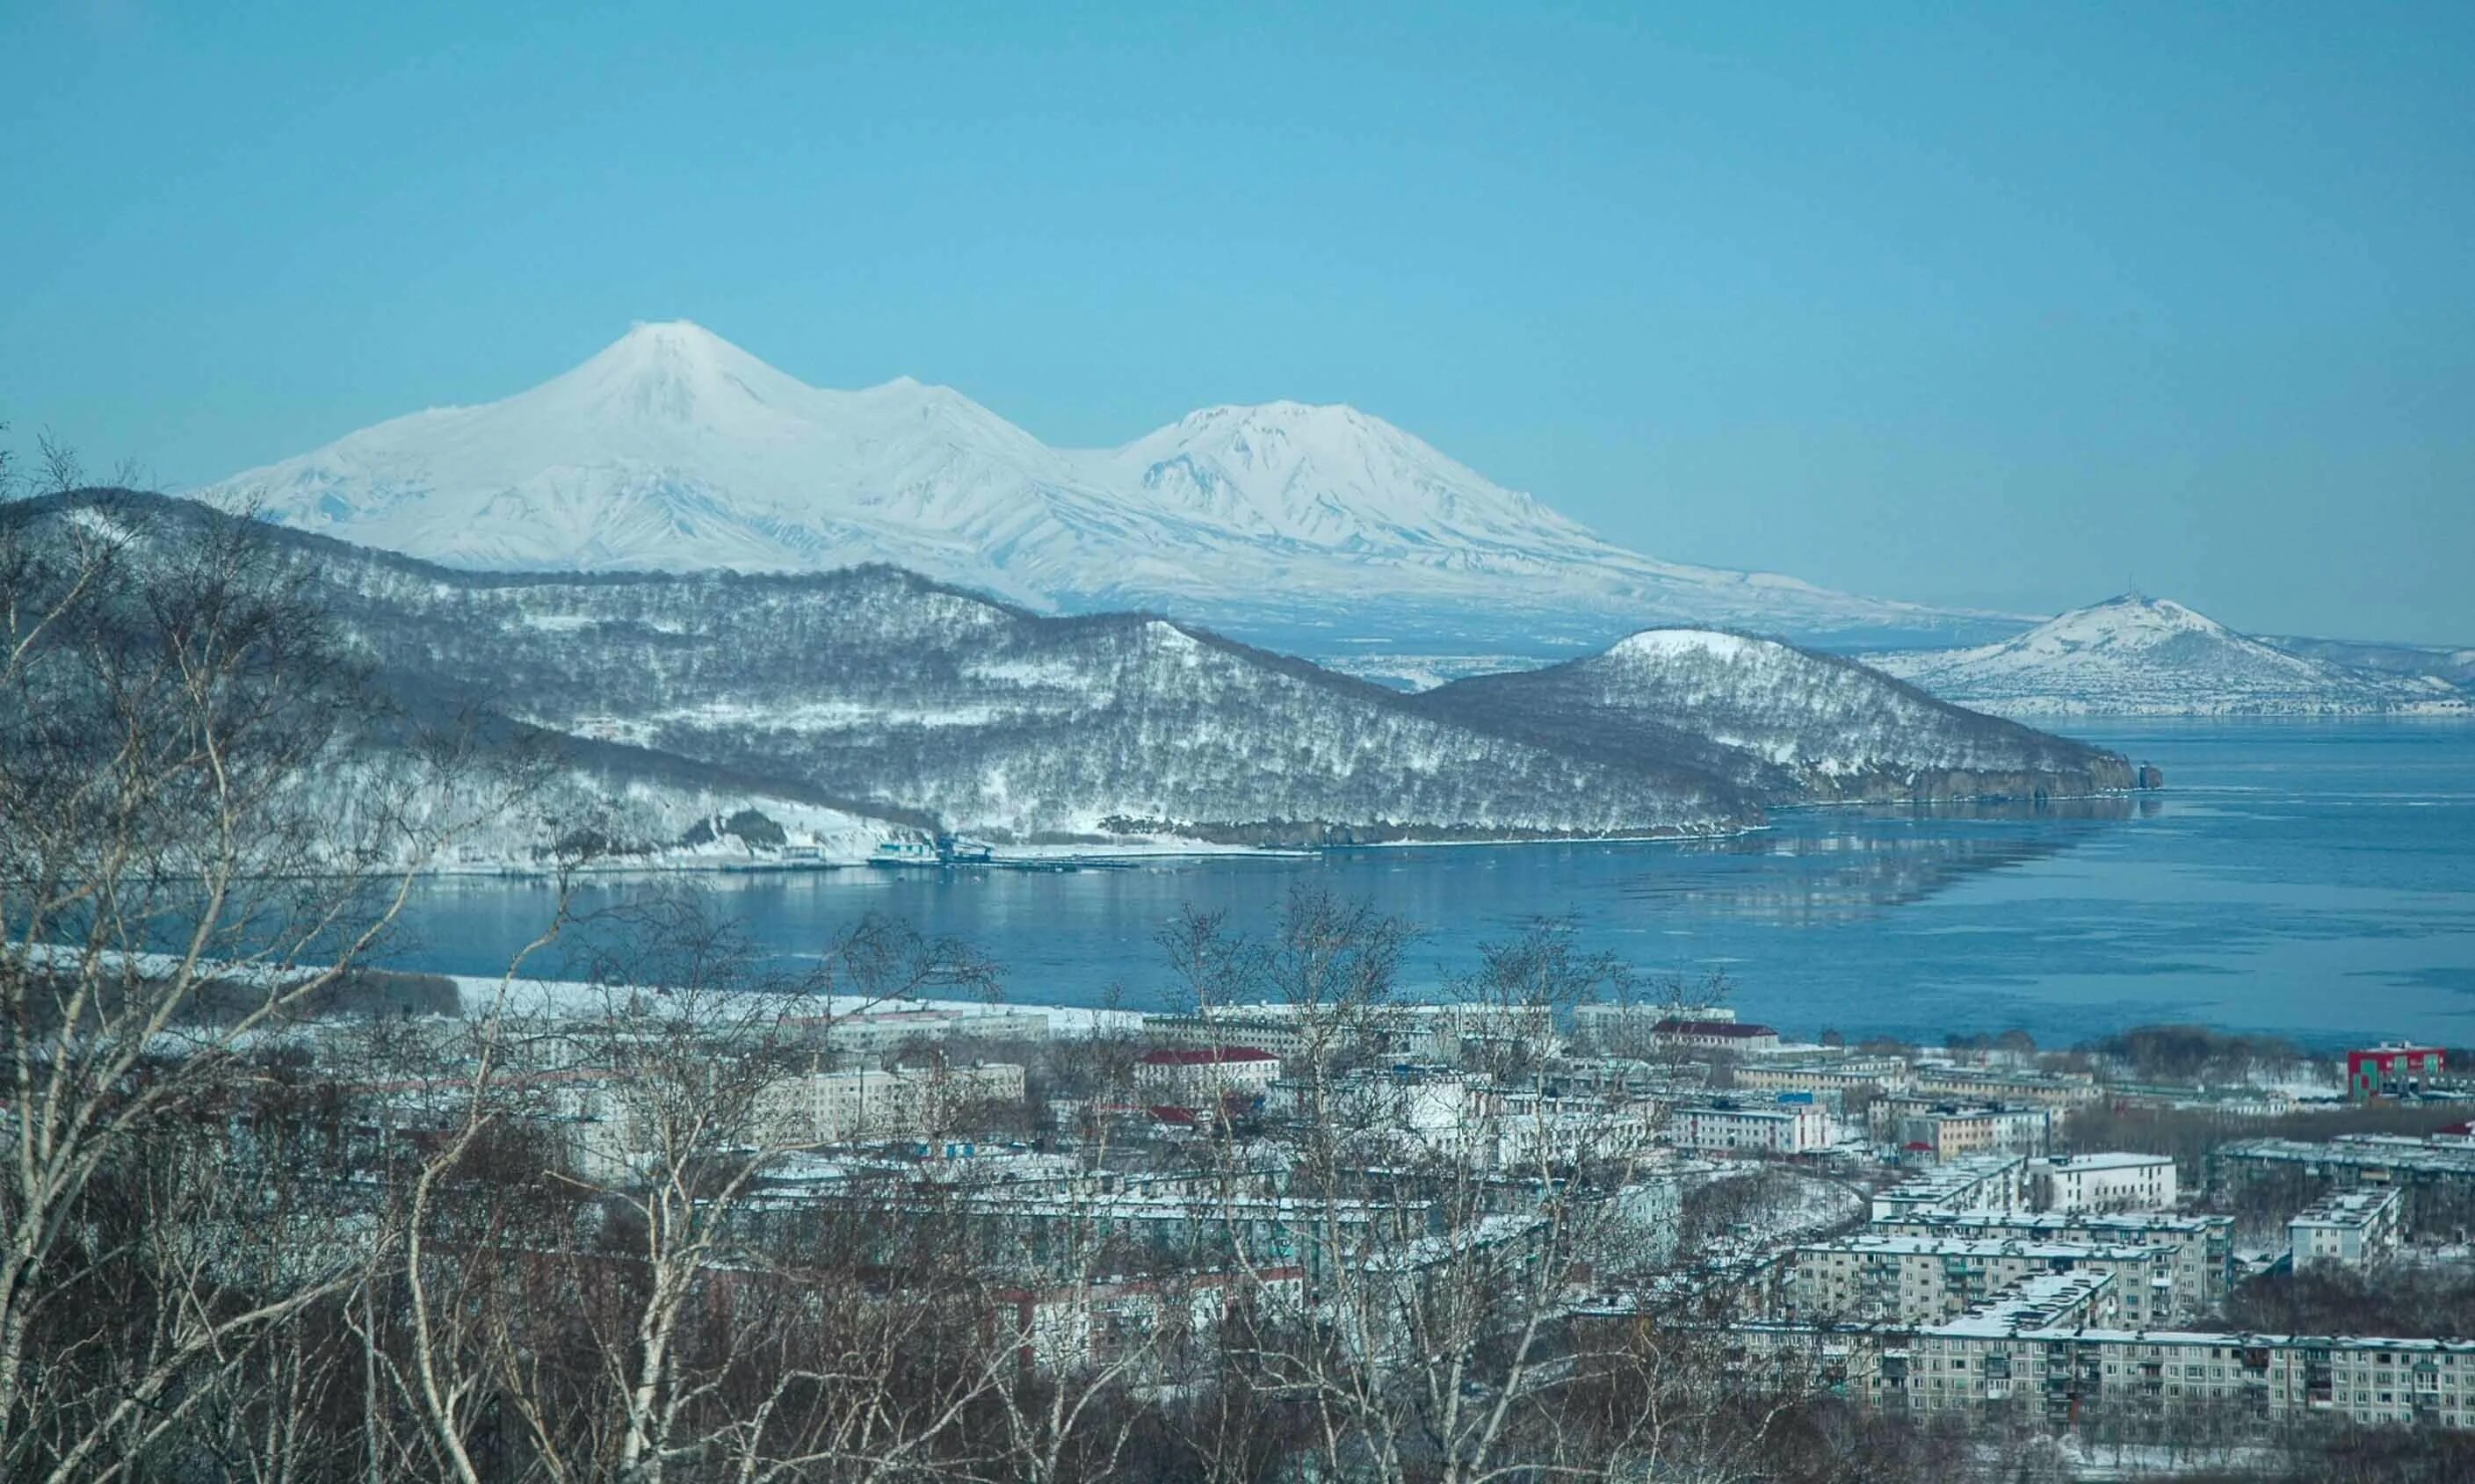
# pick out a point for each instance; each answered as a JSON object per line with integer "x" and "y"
{"x": 672, "y": 449}
{"x": 1786, "y": 723}
{"x": 2141, "y": 656}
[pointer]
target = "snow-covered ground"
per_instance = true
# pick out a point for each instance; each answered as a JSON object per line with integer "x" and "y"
{"x": 557, "y": 999}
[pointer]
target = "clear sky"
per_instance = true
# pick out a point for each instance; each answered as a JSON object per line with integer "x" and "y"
{"x": 1996, "y": 305}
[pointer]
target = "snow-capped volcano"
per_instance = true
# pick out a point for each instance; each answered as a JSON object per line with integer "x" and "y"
{"x": 675, "y": 450}
{"x": 2141, "y": 656}
{"x": 1324, "y": 475}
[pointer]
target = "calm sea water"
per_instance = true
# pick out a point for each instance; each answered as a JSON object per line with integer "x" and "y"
{"x": 2314, "y": 879}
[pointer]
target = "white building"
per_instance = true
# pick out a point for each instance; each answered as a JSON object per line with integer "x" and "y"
{"x": 910, "y": 1103}
{"x": 1202, "y": 1076}
{"x": 874, "y": 1032}
{"x": 1736, "y": 1036}
{"x": 2114, "y": 1181}
{"x": 2355, "y": 1229}
{"x": 1980, "y": 1182}
{"x": 1766, "y": 1129}
{"x": 1625, "y": 1028}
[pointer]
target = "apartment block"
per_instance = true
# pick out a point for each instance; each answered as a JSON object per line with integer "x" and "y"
{"x": 2114, "y": 1181}
{"x": 2435, "y": 1178}
{"x": 1750, "y": 1128}
{"x": 909, "y": 1103}
{"x": 1978, "y": 1182}
{"x": 1928, "y": 1279}
{"x": 1987, "y": 1085}
{"x": 2355, "y": 1229}
{"x": 1930, "y": 1132}
{"x": 2035, "y": 1353}
{"x": 2201, "y": 1247}
{"x": 1852, "y": 1074}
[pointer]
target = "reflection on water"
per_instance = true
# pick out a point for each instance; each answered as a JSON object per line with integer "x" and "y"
{"x": 2318, "y": 880}
{"x": 1842, "y": 865}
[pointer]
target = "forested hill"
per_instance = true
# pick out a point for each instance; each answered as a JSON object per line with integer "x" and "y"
{"x": 890, "y": 697}
{"x": 1785, "y": 724}
{"x": 881, "y": 687}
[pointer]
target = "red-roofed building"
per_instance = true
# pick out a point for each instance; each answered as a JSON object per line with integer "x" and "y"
{"x": 1205, "y": 1076}
{"x": 1736, "y": 1035}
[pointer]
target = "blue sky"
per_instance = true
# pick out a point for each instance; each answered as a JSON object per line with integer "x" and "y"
{"x": 1996, "y": 305}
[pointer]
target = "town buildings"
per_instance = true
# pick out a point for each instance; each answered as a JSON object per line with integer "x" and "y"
{"x": 1840, "y": 1076}
{"x": 1740, "y": 1038}
{"x": 2434, "y": 1177}
{"x": 1625, "y": 1028}
{"x": 877, "y": 1032}
{"x": 2038, "y": 1355}
{"x": 1987, "y": 1085}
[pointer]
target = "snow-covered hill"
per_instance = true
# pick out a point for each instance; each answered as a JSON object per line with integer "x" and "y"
{"x": 674, "y": 450}
{"x": 709, "y": 715}
{"x": 2140, "y": 656}
{"x": 1788, "y": 725}
{"x": 887, "y": 696}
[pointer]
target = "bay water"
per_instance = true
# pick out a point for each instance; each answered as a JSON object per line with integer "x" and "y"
{"x": 2315, "y": 879}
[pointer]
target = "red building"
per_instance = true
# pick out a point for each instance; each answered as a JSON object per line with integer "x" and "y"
{"x": 2385, "y": 1071}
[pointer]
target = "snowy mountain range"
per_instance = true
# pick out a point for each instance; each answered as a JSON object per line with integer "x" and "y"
{"x": 1745, "y": 709}
{"x": 852, "y": 704}
{"x": 2141, "y": 656}
{"x": 672, "y": 449}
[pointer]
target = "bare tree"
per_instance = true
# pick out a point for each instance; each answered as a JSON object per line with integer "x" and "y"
{"x": 174, "y": 884}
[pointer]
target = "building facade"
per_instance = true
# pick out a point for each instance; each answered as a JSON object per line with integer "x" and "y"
{"x": 1929, "y": 1280}
{"x": 1762, "y": 1127}
{"x": 2102, "y": 1183}
{"x": 2200, "y": 1249}
{"x": 2354, "y": 1229}
{"x": 1938, "y": 1132}
{"x": 1204, "y": 1076}
{"x": 2391, "y": 1070}
{"x": 1978, "y": 1182}
{"x": 869, "y": 1106}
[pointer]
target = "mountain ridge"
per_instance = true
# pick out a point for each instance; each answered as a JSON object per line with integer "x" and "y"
{"x": 673, "y": 448}
{"x": 2133, "y": 655}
